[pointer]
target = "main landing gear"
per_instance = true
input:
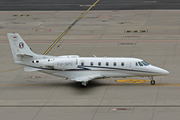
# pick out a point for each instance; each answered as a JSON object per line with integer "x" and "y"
{"x": 84, "y": 84}
{"x": 153, "y": 82}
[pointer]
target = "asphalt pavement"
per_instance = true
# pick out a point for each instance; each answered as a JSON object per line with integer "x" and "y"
{"x": 42, "y": 5}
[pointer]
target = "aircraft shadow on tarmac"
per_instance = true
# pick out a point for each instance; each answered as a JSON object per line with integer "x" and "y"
{"x": 96, "y": 83}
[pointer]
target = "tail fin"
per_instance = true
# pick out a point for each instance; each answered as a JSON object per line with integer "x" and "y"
{"x": 18, "y": 47}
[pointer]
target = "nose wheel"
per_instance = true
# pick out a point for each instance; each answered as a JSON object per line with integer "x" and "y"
{"x": 153, "y": 82}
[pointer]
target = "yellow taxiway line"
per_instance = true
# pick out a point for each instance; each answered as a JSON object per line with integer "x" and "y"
{"x": 133, "y": 81}
{"x": 69, "y": 28}
{"x": 11, "y": 70}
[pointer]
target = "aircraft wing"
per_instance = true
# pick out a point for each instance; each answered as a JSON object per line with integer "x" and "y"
{"x": 86, "y": 78}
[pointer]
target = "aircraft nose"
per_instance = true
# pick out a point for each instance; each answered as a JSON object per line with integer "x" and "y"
{"x": 161, "y": 71}
{"x": 164, "y": 72}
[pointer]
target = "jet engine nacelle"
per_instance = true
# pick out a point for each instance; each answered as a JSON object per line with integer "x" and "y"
{"x": 44, "y": 63}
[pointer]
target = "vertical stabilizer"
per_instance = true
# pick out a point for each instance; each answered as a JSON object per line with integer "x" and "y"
{"x": 18, "y": 47}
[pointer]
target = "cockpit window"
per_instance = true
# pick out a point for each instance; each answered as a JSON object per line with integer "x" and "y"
{"x": 140, "y": 64}
{"x": 136, "y": 64}
{"x": 145, "y": 63}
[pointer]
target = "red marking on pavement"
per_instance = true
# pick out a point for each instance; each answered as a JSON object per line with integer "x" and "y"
{"x": 125, "y": 41}
{"x": 150, "y": 41}
{"x": 104, "y": 16}
{"x": 42, "y": 30}
{"x": 30, "y": 41}
{"x": 126, "y": 36}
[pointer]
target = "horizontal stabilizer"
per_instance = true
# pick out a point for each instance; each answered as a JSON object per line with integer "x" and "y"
{"x": 24, "y": 54}
{"x": 27, "y": 68}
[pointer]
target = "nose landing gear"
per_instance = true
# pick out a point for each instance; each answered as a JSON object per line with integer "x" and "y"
{"x": 153, "y": 82}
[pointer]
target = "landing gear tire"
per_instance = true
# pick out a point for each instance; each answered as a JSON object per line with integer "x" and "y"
{"x": 153, "y": 82}
{"x": 84, "y": 84}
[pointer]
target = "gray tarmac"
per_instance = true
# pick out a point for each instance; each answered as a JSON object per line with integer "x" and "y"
{"x": 42, "y": 5}
{"x": 38, "y": 96}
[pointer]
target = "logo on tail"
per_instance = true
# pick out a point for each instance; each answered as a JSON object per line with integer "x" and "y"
{"x": 21, "y": 45}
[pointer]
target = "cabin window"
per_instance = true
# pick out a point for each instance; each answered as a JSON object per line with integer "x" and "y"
{"x": 37, "y": 61}
{"x": 33, "y": 61}
{"x": 82, "y": 63}
{"x": 91, "y": 63}
{"x": 66, "y": 64}
{"x": 99, "y": 63}
{"x": 114, "y": 63}
{"x": 76, "y": 61}
{"x": 140, "y": 64}
{"x": 122, "y": 64}
{"x": 107, "y": 64}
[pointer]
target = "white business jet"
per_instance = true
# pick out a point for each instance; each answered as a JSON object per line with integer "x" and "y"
{"x": 81, "y": 69}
